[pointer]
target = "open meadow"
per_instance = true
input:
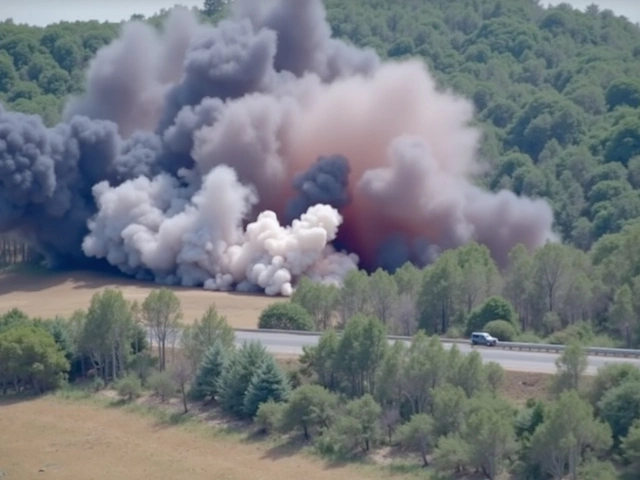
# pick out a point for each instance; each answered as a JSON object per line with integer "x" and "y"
{"x": 47, "y": 294}
{"x": 57, "y": 439}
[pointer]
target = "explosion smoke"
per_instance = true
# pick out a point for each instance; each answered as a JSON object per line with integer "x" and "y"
{"x": 177, "y": 162}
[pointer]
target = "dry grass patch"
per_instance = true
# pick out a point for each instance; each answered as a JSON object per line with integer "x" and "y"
{"x": 47, "y": 294}
{"x": 69, "y": 440}
{"x": 521, "y": 386}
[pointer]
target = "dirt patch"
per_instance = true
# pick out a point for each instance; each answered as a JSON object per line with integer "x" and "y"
{"x": 49, "y": 294}
{"x": 55, "y": 439}
{"x": 521, "y": 386}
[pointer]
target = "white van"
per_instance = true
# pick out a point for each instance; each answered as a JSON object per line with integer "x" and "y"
{"x": 483, "y": 338}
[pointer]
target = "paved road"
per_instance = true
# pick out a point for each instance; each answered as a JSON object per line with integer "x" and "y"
{"x": 283, "y": 343}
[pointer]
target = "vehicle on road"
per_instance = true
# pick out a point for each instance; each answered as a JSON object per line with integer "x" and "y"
{"x": 483, "y": 338}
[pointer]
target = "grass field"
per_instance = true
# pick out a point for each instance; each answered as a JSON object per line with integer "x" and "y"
{"x": 47, "y": 294}
{"x": 73, "y": 440}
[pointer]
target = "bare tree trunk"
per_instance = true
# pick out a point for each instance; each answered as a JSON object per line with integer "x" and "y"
{"x": 184, "y": 397}
{"x": 114, "y": 362}
{"x": 163, "y": 351}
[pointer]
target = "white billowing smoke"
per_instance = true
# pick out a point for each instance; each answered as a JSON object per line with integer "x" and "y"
{"x": 187, "y": 238}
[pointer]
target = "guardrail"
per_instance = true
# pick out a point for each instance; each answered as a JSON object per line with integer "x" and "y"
{"x": 530, "y": 347}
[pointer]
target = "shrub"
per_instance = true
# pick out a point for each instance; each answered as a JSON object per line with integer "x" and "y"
{"x": 495, "y": 308}
{"x": 356, "y": 428}
{"x": 143, "y": 365}
{"x": 310, "y": 407}
{"x": 594, "y": 469}
{"x": 30, "y": 359}
{"x": 268, "y": 419}
{"x": 501, "y": 329}
{"x": 162, "y": 385}
{"x": 454, "y": 332}
{"x": 611, "y": 376}
{"x": 96, "y": 384}
{"x": 286, "y": 316}
{"x": 495, "y": 375}
{"x": 603, "y": 341}
{"x": 417, "y": 435}
{"x": 581, "y": 332}
{"x": 129, "y": 387}
{"x": 620, "y": 407}
{"x": 528, "y": 337}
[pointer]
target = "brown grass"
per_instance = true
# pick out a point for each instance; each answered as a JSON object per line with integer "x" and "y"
{"x": 56, "y": 439}
{"x": 521, "y": 386}
{"x": 48, "y": 294}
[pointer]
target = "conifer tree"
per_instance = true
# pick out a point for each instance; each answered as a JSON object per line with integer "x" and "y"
{"x": 234, "y": 381}
{"x": 268, "y": 383}
{"x": 209, "y": 372}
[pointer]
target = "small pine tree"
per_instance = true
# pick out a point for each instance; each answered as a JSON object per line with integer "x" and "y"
{"x": 209, "y": 373}
{"x": 268, "y": 383}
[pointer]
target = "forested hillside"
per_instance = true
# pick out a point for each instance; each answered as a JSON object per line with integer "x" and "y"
{"x": 556, "y": 92}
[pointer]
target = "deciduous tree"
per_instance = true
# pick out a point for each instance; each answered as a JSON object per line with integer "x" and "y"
{"x": 162, "y": 312}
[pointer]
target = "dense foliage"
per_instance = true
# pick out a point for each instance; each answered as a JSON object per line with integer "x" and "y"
{"x": 349, "y": 396}
{"x": 285, "y": 316}
{"x": 557, "y": 293}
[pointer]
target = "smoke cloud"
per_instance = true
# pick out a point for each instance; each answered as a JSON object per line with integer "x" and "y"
{"x": 325, "y": 182}
{"x": 251, "y": 153}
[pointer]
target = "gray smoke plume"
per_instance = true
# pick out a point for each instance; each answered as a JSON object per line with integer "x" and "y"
{"x": 46, "y": 175}
{"x": 447, "y": 209}
{"x": 304, "y": 39}
{"x": 128, "y": 80}
{"x": 179, "y": 139}
{"x": 226, "y": 62}
{"x": 325, "y": 182}
{"x": 191, "y": 159}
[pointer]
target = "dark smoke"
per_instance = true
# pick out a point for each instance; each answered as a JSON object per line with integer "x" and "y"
{"x": 227, "y": 62}
{"x": 46, "y": 175}
{"x": 325, "y": 182}
{"x": 191, "y": 146}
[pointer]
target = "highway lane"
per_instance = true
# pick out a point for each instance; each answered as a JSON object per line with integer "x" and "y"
{"x": 535, "y": 362}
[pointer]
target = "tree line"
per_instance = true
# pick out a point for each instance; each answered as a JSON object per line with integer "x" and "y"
{"x": 15, "y": 251}
{"x": 350, "y": 395}
{"x": 556, "y": 294}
